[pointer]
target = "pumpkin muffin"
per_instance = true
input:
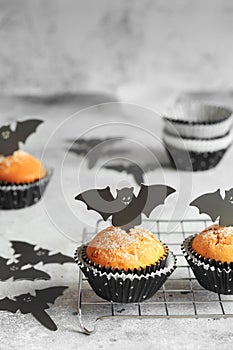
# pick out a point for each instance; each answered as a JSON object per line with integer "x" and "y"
{"x": 125, "y": 266}
{"x": 118, "y": 249}
{"x": 215, "y": 242}
{"x": 23, "y": 180}
{"x": 210, "y": 255}
{"x": 21, "y": 167}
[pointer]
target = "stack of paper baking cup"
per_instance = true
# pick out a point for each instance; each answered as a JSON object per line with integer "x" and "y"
{"x": 197, "y": 135}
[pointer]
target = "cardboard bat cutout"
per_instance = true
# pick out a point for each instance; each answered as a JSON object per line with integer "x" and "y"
{"x": 15, "y": 271}
{"x": 126, "y": 209}
{"x": 131, "y": 169}
{"x": 215, "y": 206}
{"x": 35, "y": 305}
{"x": 95, "y": 149}
{"x": 29, "y": 255}
{"x": 9, "y": 139}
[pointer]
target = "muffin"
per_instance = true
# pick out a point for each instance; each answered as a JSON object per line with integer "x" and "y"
{"x": 23, "y": 180}
{"x": 125, "y": 266}
{"x": 210, "y": 255}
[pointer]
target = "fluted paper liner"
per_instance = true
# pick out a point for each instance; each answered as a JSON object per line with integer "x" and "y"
{"x": 194, "y": 119}
{"x": 193, "y": 161}
{"x": 211, "y": 274}
{"x": 161, "y": 263}
{"x": 124, "y": 287}
{"x": 18, "y": 196}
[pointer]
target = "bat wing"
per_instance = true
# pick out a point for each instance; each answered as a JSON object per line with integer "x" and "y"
{"x": 153, "y": 196}
{"x": 26, "y": 128}
{"x": 3, "y": 262}
{"x": 57, "y": 258}
{"x": 211, "y": 204}
{"x": 7, "y": 304}
{"x": 5, "y": 272}
{"x": 49, "y": 295}
{"x": 25, "y": 250}
{"x": 99, "y": 200}
{"x": 30, "y": 274}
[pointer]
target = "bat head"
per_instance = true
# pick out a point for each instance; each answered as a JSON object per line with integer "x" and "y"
{"x": 41, "y": 252}
{"x": 25, "y": 298}
{"x": 13, "y": 267}
{"x": 229, "y": 195}
{"x": 5, "y": 133}
{"x": 125, "y": 195}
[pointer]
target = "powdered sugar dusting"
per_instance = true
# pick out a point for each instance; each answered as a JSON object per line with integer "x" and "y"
{"x": 16, "y": 157}
{"x": 219, "y": 234}
{"x": 116, "y": 237}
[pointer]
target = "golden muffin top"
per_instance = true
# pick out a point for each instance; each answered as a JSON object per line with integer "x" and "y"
{"x": 20, "y": 167}
{"x": 215, "y": 242}
{"x": 116, "y": 248}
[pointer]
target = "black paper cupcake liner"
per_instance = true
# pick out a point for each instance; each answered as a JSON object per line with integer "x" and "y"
{"x": 18, "y": 196}
{"x": 161, "y": 263}
{"x": 123, "y": 287}
{"x": 211, "y": 274}
{"x": 193, "y": 161}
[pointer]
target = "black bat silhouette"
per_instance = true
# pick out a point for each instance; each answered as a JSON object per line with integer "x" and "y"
{"x": 9, "y": 139}
{"x": 126, "y": 208}
{"x": 89, "y": 148}
{"x": 132, "y": 169}
{"x": 35, "y": 305}
{"x": 215, "y": 206}
{"x": 28, "y": 255}
{"x": 14, "y": 270}
{"x": 82, "y": 146}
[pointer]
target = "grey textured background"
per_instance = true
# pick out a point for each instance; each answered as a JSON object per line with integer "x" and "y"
{"x": 143, "y": 51}
{"x": 57, "y": 57}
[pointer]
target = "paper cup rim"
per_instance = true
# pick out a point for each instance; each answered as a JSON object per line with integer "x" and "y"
{"x": 178, "y": 120}
{"x": 167, "y": 270}
{"x": 199, "y": 145}
{"x": 24, "y": 185}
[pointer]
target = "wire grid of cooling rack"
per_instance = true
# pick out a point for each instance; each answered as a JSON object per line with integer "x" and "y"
{"x": 181, "y": 296}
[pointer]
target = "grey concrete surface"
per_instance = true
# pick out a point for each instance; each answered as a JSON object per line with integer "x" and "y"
{"x": 57, "y": 222}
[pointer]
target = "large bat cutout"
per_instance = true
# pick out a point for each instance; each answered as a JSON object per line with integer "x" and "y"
{"x": 14, "y": 270}
{"x": 28, "y": 255}
{"x": 9, "y": 139}
{"x": 35, "y": 305}
{"x": 215, "y": 206}
{"x": 126, "y": 208}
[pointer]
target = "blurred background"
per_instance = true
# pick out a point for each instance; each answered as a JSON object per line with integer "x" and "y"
{"x": 59, "y": 56}
{"x": 150, "y": 52}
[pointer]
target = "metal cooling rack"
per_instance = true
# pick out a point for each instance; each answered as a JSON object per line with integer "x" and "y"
{"x": 181, "y": 296}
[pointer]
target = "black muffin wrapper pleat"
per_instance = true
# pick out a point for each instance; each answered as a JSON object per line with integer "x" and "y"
{"x": 193, "y": 161}
{"x": 18, "y": 196}
{"x": 123, "y": 287}
{"x": 161, "y": 263}
{"x": 211, "y": 274}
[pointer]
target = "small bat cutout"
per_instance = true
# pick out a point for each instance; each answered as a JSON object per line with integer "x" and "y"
{"x": 132, "y": 169}
{"x": 215, "y": 206}
{"x": 35, "y": 305}
{"x": 29, "y": 255}
{"x": 15, "y": 271}
{"x": 9, "y": 139}
{"x": 126, "y": 208}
